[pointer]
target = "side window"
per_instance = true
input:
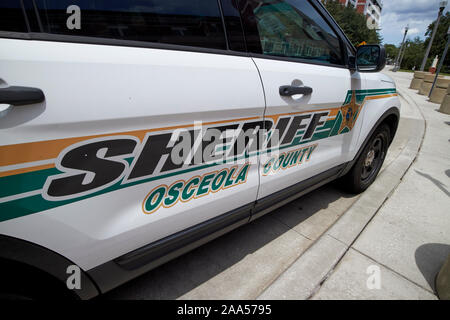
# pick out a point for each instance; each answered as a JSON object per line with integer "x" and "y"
{"x": 233, "y": 24}
{"x": 290, "y": 28}
{"x": 351, "y": 52}
{"x": 11, "y": 16}
{"x": 195, "y": 23}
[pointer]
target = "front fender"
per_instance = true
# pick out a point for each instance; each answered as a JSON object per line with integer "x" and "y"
{"x": 391, "y": 116}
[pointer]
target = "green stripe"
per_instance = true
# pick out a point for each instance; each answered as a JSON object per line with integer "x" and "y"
{"x": 24, "y": 182}
{"x": 31, "y": 181}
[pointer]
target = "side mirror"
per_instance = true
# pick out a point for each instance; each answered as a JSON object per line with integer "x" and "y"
{"x": 371, "y": 58}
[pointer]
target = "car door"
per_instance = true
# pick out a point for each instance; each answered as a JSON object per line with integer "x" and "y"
{"x": 90, "y": 171}
{"x": 309, "y": 90}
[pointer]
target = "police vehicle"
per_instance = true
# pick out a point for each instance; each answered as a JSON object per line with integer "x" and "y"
{"x": 132, "y": 131}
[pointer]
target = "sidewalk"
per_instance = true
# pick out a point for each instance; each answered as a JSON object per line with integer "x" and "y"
{"x": 397, "y": 235}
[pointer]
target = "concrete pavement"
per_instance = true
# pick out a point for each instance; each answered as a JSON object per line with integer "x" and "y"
{"x": 292, "y": 251}
{"x": 391, "y": 243}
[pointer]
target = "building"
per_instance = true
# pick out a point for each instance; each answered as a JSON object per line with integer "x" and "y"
{"x": 370, "y": 8}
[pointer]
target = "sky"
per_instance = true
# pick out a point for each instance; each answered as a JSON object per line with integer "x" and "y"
{"x": 397, "y": 14}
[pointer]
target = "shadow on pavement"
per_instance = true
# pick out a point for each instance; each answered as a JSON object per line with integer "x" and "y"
{"x": 181, "y": 275}
{"x": 430, "y": 258}
{"x": 436, "y": 182}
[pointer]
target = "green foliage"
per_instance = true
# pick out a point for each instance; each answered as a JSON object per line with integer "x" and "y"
{"x": 391, "y": 51}
{"x": 439, "y": 42}
{"x": 416, "y": 48}
{"x": 414, "y": 54}
{"x": 353, "y": 24}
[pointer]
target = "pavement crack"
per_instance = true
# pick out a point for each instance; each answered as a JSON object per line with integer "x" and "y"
{"x": 290, "y": 228}
{"x": 393, "y": 271}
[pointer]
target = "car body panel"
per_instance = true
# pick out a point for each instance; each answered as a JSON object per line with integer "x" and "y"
{"x": 98, "y": 93}
{"x": 116, "y": 109}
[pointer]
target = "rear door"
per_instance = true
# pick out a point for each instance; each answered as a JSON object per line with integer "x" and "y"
{"x": 308, "y": 91}
{"x": 92, "y": 172}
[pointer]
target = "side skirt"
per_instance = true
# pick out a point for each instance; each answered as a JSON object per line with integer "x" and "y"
{"x": 112, "y": 274}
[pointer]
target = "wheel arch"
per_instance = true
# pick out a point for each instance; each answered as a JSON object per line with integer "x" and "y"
{"x": 391, "y": 117}
{"x": 21, "y": 259}
{"x": 392, "y": 120}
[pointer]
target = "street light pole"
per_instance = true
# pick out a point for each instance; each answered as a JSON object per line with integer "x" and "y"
{"x": 444, "y": 55}
{"x": 396, "y": 64}
{"x": 442, "y": 6}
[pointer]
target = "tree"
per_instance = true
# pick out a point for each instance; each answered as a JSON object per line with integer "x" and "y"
{"x": 439, "y": 41}
{"x": 414, "y": 51}
{"x": 391, "y": 51}
{"x": 353, "y": 24}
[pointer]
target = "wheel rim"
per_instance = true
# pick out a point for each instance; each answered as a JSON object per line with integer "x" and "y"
{"x": 374, "y": 159}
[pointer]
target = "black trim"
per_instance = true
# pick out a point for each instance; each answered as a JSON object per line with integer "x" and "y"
{"x": 381, "y": 60}
{"x": 288, "y": 91}
{"x": 233, "y": 26}
{"x": 21, "y": 96}
{"x": 42, "y": 36}
{"x": 45, "y": 260}
{"x": 297, "y": 60}
{"x": 253, "y": 40}
{"x": 222, "y": 17}
{"x": 320, "y": 6}
{"x": 27, "y": 23}
{"x": 111, "y": 274}
{"x": 114, "y": 42}
{"x": 124, "y": 268}
{"x": 140, "y": 257}
{"x": 392, "y": 111}
{"x": 273, "y": 201}
{"x": 345, "y": 41}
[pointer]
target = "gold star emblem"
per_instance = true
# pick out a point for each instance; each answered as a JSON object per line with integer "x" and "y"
{"x": 349, "y": 114}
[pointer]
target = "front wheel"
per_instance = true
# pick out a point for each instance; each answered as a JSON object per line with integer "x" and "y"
{"x": 369, "y": 163}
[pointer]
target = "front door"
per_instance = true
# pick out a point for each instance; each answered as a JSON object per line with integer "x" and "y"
{"x": 308, "y": 88}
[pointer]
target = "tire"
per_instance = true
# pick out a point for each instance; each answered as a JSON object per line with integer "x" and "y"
{"x": 366, "y": 169}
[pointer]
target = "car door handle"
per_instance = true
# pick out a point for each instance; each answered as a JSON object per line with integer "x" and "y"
{"x": 21, "y": 96}
{"x": 287, "y": 91}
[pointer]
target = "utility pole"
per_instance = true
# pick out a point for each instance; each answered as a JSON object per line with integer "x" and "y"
{"x": 444, "y": 55}
{"x": 442, "y": 6}
{"x": 397, "y": 60}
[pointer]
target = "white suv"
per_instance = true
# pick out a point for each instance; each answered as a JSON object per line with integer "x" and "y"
{"x": 133, "y": 131}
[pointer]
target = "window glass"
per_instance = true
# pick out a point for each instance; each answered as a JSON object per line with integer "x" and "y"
{"x": 11, "y": 16}
{"x": 233, "y": 25}
{"x": 293, "y": 28}
{"x": 368, "y": 56}
{"x": 193, "y": 23}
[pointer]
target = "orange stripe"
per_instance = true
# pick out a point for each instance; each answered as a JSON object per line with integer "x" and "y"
{"x": 294, "y": 113}
{"x": 43, "y": 150}
{"x": 25, "y": 170}
{"x": 334, "y": 112}
{"x": 275, "y": 117}
{"x": 382, "y": 97}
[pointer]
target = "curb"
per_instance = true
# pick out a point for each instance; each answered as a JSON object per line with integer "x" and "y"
{"x": 307, "y": 274}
